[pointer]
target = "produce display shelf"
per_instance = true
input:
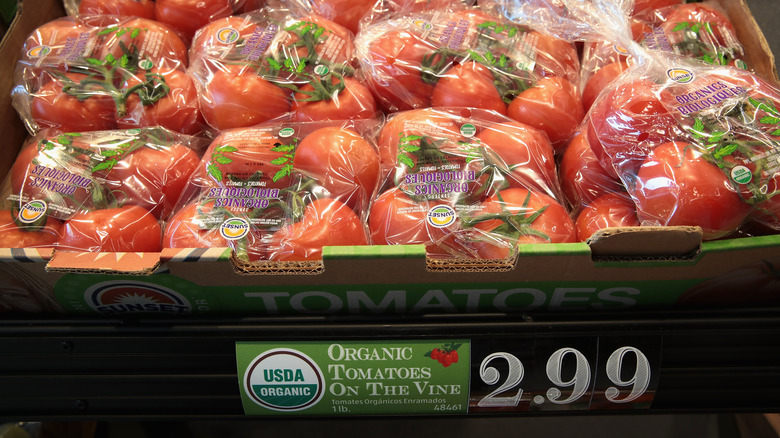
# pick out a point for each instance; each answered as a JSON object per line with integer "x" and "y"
{"x": 151, "y": 368}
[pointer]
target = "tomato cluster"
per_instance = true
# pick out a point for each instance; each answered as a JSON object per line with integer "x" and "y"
{"x": 446, "y": 355}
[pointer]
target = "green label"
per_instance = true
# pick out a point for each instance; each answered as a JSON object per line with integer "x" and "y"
{"x": 354, "y": 377}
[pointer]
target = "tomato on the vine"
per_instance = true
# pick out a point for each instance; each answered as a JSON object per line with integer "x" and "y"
{"x": 132, "y": 8}
{"x": 325, "y": 222}
{"x": 397, "y": 219}
{"x": 599, "y": 80}
{"x": 344, "y": 98}
{"x": 583, "y": 179}
{"x": 237, "y": 96}
{"x": 342, "y": 161}
{"x": 54, "y": 107}
{"x": 15, "y": 235}
{"x": 553, "y": 105}
{"x": 676, "y": 185}
{"x": 469, "y": 84}
{"x": 187, "y": 16}
{"x": 608, "y": 210}
{"x": 121, "y": 229}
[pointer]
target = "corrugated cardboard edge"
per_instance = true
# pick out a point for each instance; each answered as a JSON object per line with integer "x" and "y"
{"x": 120, "y": 263}
{"x": 758, "y": 53}
{"x": 647, "y": 242}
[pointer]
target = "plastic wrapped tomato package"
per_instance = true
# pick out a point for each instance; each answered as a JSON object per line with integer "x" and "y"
{"x": 280, "y": 191}
{"x": 99, "y": 191}
{"x": 105, "y": 72}
{"x": 470, "y": 57}
{"x": 132, "y": 8}
{"x": 261, "y": 65}
{"x": 467, "y": 184}
{"x": 693, "y": 144}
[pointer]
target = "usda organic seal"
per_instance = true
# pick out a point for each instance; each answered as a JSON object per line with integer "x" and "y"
{"x": 284, "y": 379}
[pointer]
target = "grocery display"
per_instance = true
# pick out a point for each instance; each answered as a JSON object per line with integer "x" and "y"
{"x": 314, "y": 208}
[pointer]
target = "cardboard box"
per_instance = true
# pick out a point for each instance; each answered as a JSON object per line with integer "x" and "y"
{"x": 621, "y": 269}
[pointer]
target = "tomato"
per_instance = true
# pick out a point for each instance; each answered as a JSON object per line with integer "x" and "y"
{"x": 346, "y": 13}
{"x": 676, "y": 186}
{"x": 14, "y": 235}
{"x": 525, "y": 152}
{"x": 342, "y": 161}
{"x": 555, "y": 57}
{"x": 424, "y": 122}
{"x": 250, "y": 5}
{"x": 526, "y": 217}
{"x": 608, "y": 210}
{"x": 187, "y": 16}
{"x": 454, "y": 354}
{"x": 335, "y": 44}
{"x": 435, "y": 353}
{"x": 599, "y": 81}
{"x": 145, "y": 39}
{"x": 134, "y": 8}
{"x": 153, "y": 177}
{"x": 53, "y": 36}
{"x": 177, "y": 109}
{"x": 123, "y": 229}
{"x": 236, "y": 97}
{"x": 90, "y": 110}
{"x": 467, "y": 85}
{"x": 326, "y": 222}
{"x": 394, "y": 61}
{"x": 353, "y": 101}
{"x": 722, "y": 30}
{"x": 582, "y": 177}
{"x": 397, "y": 219}
{"x": 190, "y": 227}
{"x": 626, "y": 122}
{"x": 446, "y": 359}
{"x": 552, "y": 105}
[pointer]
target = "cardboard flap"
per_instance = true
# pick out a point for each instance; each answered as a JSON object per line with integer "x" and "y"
{"x": 646, "y": 242}
{"x": 130, "y": 263}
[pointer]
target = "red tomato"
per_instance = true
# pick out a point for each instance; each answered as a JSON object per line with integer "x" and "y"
{"x": 250, "y": 5}
{"x": 12, "y": 235}
{"x": 582, "y": 177}
{"x": 91, "y": 110}
{"x": 599, "y": 81}
{"x": 609, "y": 210}
{"x": 527, "y": 217}
{"x": 468, "y": 85}
{"x": 177, "y": 109}
{"x": 525, "y": 152}
{"x": 395, "y": 59}
{"x": 153, "y": 177}
{"x": 552, "y": 105}
{"x": 333, "y": 35}
{"x": 626, "y": 122}
{"x": 326, "y": 222}
{"x": 144, "y": 38}
{"x": 134, "y": 8}
{"x": 649, "y": 5}
{"x": 677, "y": 186}
{"x": 555, "y": 57}
{"x": 237, "y": 97}
{"x": 342, "y": 161}
{"x": 424, "y": 122}
{"x": 346, "y": 13}
{"x": 397, "y": 219}
{"x": 124, "y": 229}
{"x": 446, "y": 359}
{"x": 187, "y": 16}
{"x": 353, "y": 101}
{"x": 722, "y": 34}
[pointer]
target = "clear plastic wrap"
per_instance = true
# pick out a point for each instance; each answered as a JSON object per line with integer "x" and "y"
{"x": 281, "y": 190}
{"x": 693, "y": 144}
{"x": 93, "y": 191}
{"x": 467, "y": 183}
{"x": 261, "y": 65}
{"x": 132, "y": 8}
{"x": 474, "y": 58}
{"x": 187, "y": 16}
{"x": 105, "y": 72}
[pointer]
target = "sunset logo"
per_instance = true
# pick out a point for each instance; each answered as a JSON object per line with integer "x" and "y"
{"x": 234, "y": 228}
{"x": 441, "y": 216}
{"x": 422, "y": 24}
{"x": 680, "y": 75}
{"x": 32, "y": 211}
{"x": 227, "y": 35}
{"x": 114, "y": 297}
{"x": 38, "y": 51}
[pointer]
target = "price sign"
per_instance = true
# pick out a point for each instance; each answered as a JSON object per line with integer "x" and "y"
{"x": 563, "y": 374}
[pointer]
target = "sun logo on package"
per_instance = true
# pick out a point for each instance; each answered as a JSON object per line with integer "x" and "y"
{"x": 38, "y": 51}
{"x": 32, "y": 211}
{"x": 680, "y": 75}
{"x": 284, "y": 380}
{"x": 227, "y": 35}
{"x": 441, "y": 216}
{"x": 422, "y": 24}
{"x": 115, "y": 297}
{"x": 234, "y": 228}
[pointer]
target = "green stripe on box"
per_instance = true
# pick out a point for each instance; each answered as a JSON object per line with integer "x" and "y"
{"x": 553, "y": 249}
{"x": 374, "y": 251}
{"x": 741, "y": 243}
